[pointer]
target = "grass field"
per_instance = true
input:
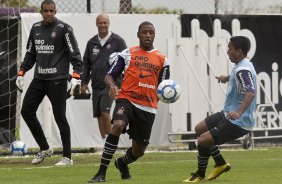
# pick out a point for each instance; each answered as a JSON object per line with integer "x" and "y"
{"x": 259, "y": 166}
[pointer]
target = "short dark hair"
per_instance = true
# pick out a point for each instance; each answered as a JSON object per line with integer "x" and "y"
{"x": 144, "y": 24}
{"x": 48, "y": 2}
{"x": 241, "y": 42}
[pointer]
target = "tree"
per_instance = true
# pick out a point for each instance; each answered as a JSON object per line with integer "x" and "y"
{"x": 14, "y": 3}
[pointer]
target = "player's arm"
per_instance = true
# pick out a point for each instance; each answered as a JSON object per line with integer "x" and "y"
{"x": 86, "y": 69}
{"x": 28, "y": 62}
{"x": 222, "y": 78}
{"x": 30, "y": 55}
{"x": 74, "y": 53}
{"x": 112, "y": 74}
{"x": 165, "y": 72}
{"x": 245, "y": 78}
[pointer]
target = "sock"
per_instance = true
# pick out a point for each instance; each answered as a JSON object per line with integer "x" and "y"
{"x": 128, "y": 158}
{"x": 104, "y": 140}
{"x": 108, "y": 152}
{"x": 203, "y": 158}
{"x": 215, "y": 153}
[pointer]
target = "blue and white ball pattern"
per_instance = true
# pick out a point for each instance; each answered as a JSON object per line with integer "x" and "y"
{"x": 168, "y": 91}
{"x": 18, "y": 148}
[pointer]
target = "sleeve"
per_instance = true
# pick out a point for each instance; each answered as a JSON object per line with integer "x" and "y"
{"x": 117, "y": 68}
{"x": 165, "y": 72}
{"x": 30, "y": 55}
{"x": 86, "y": 65}
{"x": 245, "y": 78}
{"x": 74, "y": 53}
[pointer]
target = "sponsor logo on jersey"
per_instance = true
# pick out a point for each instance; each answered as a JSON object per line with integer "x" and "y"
{"x": 69, "y": 42}
{"x": 141, "y": 76}
{"x": 142, "y": 63}
{"x": 46, "y": 70}
{"x": 95, "y": 50}
{"x": 146, "y": 85}
{"x": 145, "y": 66}
{"x": 141, "y": 97}
{"x": 42, "y": 48}
{"x": 141, "y": 58}
{"x": 120, "y": 111}
{"x": 29, "y": 46}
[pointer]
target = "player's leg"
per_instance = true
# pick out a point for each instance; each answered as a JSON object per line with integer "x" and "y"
{"x": 131, "y": 155}
{"x": 140, "y": 127}
{"x": 105, "y": 107}
{"x": 224, "y": 132}
{"x": 120, "y": 119}
{"x": 57, "y": 96}
{"x": 96, "y": 101}
{"x": 32, "y": 99}
{"x": 205, "y": 141}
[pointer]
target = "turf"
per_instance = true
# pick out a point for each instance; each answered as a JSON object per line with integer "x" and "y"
{"x": 259, "y": 166}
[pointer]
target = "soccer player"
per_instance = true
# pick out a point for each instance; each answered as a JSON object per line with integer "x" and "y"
{"x": 237, "y": 117}
{"x": 96, "y": 65}
{"x": 136, "y": 102}
{"x": 51, "y": 47}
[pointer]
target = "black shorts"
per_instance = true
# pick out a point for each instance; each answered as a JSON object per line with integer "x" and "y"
{"x": 222, "y": 129}
{"x": 140, "y": 122}
{"x": 101, "y": 103}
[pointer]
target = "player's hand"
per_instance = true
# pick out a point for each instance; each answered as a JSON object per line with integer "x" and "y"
{"x": 233, "y": 115}
{"x": 84, "y": 89}
{"x": 75, "y": 86}
{"x": 222, "y": 78}
{"x": 20, "y": 83}
{"x": 113, "y": 91}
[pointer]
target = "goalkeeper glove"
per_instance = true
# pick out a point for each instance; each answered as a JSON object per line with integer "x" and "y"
{"x": 75, "y": 84}
{"x": 20, "y": 81}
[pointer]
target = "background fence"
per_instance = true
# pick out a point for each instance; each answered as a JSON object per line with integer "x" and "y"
{"x": 15, "y": 7}
{"x": 156, "y": 6}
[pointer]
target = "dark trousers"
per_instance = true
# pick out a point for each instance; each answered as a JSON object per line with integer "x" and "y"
{"x": 56, "y": 92}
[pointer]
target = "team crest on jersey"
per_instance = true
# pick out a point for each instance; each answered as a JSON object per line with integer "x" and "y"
{"x": 95, "y": 50}
{"x": 109, "y": 46}
{"x": 120, "y": 111}
{"x": 53, "y": 35}
{"x": 70, "y": 28}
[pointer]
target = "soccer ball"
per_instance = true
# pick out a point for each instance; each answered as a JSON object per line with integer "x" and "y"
{"x": 168, "y": 91}
{"x": 18, "y": 148}
{"x": 113, "y": 58}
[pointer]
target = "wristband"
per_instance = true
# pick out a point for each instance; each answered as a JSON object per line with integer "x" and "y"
{"x": 21, "y": 73}
{"x": 75, "y": 75}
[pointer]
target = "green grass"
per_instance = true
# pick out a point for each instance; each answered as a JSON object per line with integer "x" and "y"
{"x": 260, "y": 166}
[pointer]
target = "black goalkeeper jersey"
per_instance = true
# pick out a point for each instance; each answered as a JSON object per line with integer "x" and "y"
{"x": 52, "y": 48}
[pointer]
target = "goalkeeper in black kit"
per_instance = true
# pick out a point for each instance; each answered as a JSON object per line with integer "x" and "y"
{"x": 51, "y": 47}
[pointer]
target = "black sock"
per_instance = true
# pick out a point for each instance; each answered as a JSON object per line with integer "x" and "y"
{"x": 128, "y": 158}
{"x": 108, "y": 152}
{"x": 203, "y": 158}
{"x": 215, "y": 153}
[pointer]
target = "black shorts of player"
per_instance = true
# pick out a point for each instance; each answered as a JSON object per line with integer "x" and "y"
{"x": 101, "y": 102}
{"x": 222, "y": 129}
{"x": 140, "y": 122}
